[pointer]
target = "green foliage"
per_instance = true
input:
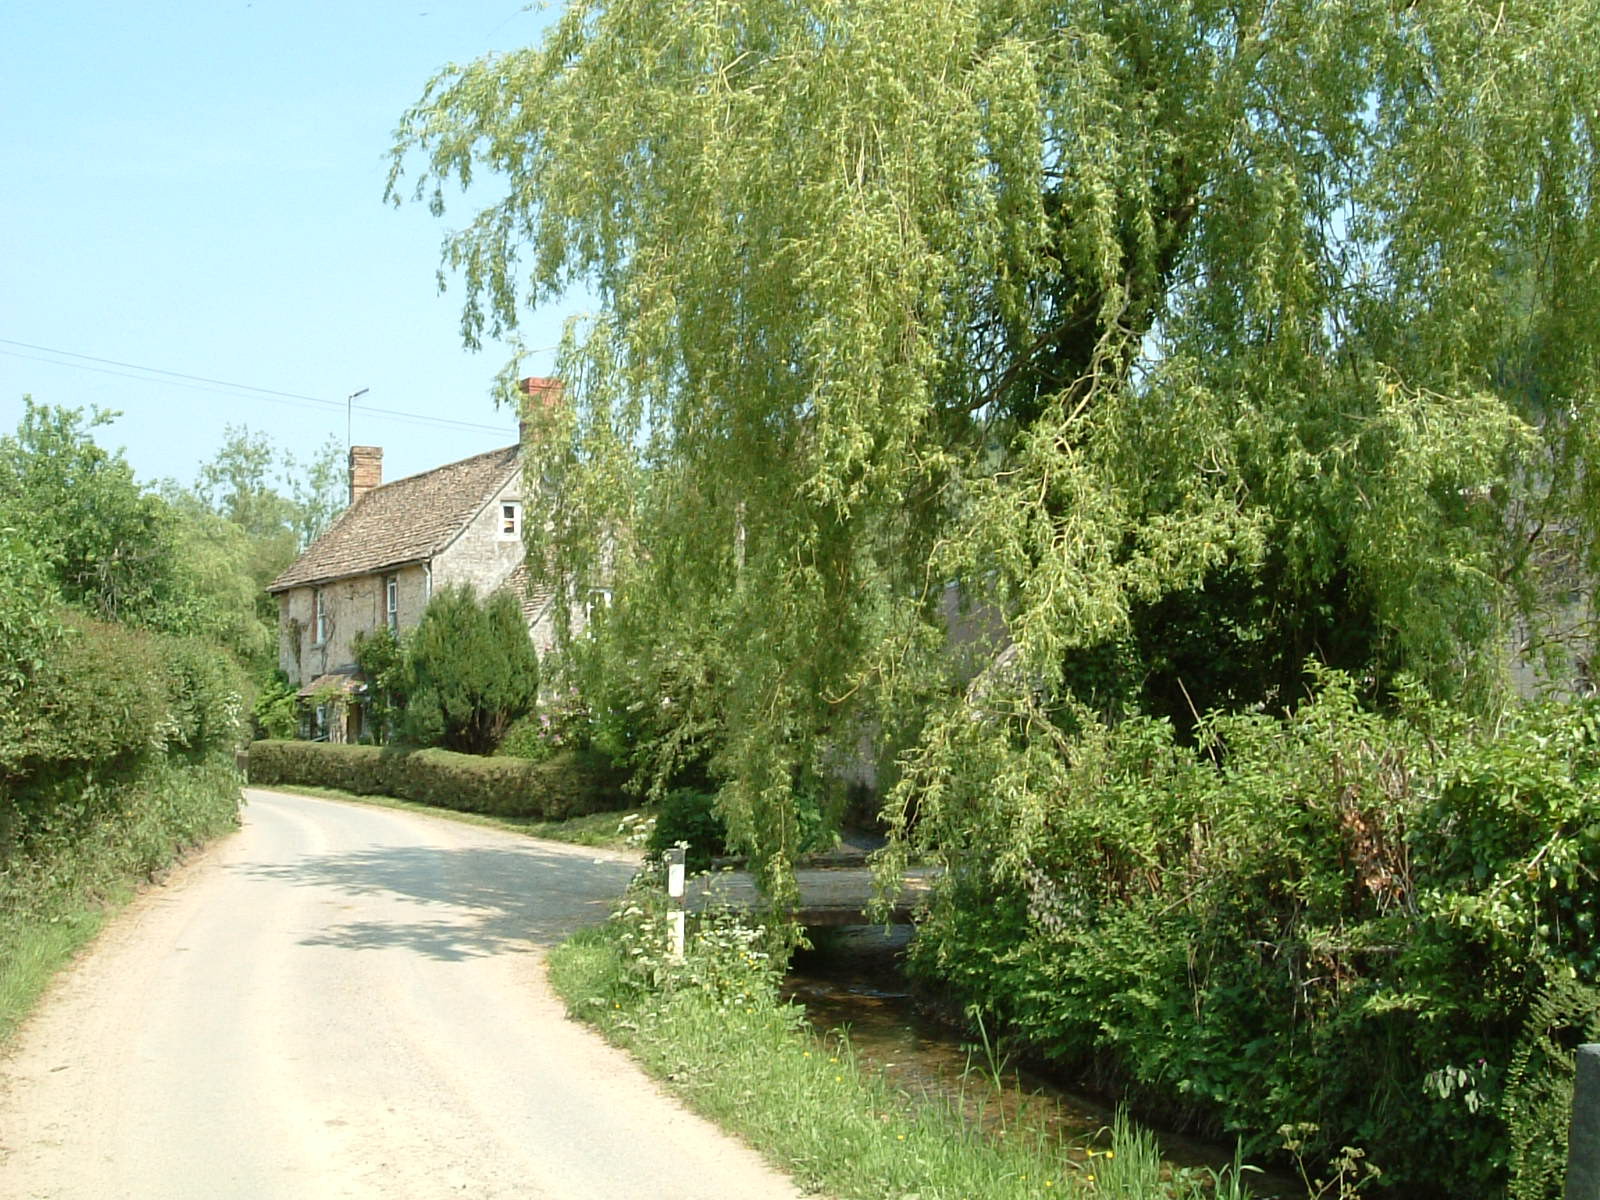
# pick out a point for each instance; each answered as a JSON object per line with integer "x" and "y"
{"x": 471, "y": 671}
{"x": 567, "y": 785}
{"x": 101, "y": 696}
{"x": 690, "y": 816}
{"x": 124, "y": 827}
{"x": 204, "y": 697}
{"x": 275, "y": 713}
{"x": 712, "y": 1029}
{"x": 1339, "y": 920}
{"x": 1538, "y": 1091}
{"x": 1192, "y": 340}
{"x": 110, "y": 546}
{"x": 30, "y": 625}
{"x": 382, "y": 658}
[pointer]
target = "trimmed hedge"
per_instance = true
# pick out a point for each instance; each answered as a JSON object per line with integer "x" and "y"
{"x": 569, "y": 785}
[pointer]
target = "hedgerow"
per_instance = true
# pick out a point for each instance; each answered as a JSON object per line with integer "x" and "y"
{"x": 569, "y": 784}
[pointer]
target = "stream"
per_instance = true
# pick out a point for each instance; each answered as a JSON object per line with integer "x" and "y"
{"x": 852, "y": 982}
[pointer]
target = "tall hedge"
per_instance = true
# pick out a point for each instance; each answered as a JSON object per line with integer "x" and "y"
{"x": 568, "y": 785}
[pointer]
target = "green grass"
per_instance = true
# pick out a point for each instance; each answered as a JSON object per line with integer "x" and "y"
{"x": 56, "y": 898}
{"x": 596, "y": 830}
{"x": 33, "y": 950}
{"x": 751, "y": 1065}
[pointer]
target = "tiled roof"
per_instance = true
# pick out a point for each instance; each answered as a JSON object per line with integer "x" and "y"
{"x": 407, "y": 521}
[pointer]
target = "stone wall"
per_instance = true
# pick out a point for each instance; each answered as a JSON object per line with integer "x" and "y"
{"x": 482, "y": 554}
{"x": 356, "y": 605}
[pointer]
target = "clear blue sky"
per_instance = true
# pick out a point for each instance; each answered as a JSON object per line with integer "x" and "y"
{"x": 197, "y": 188}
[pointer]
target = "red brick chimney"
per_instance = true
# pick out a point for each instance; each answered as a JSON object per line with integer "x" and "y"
{"x": 366, "y": 470}
{"x": 540, "y": 395}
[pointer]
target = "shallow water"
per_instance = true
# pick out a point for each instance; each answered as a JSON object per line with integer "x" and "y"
{"x": 852, "y": 983}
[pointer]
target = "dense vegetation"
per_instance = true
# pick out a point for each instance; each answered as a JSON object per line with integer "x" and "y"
{"x": 569, "y": 784}
{"x": 1005, "y": 402}
{"x": 129, "y": 637}
{"x": 461, "y": 679}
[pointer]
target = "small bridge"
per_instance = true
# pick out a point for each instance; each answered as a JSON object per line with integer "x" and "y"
{"x": 829, "y": 896}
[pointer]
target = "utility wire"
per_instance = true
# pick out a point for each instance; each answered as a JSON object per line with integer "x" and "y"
{"x": 206, "y": 384}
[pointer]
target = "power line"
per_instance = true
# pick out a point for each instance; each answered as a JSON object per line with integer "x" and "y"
{"x": 207, "y": 384}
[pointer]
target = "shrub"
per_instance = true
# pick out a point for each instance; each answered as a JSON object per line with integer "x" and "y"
{"x": 567, "y": 785}
{"x": 470, "y": 672}
{"x": 275, "y": 711}
{"x": 689, "y": 815}
{"x": 100, "y": 696}
{"x": 1340, "y": 920}
{"x": 528, "y": 738}
{"x": 204, "y": 696}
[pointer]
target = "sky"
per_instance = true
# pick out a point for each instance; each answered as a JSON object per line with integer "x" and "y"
{"x": 193, "y": 230}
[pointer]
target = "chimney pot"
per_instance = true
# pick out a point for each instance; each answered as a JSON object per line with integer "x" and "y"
{"x": 366, "y": 470}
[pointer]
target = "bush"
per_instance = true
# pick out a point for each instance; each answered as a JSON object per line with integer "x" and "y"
{"x": 528, "y": 738}
{"x": 470, "y": 672}
{"x": 99, "y": 697}
{"x": 1340, "y": 920}
{"x": 204, "y": 696}
{"x": 568, "y": 785}
{"x": 275, "y": 713}
{"x": 689, "y": 815}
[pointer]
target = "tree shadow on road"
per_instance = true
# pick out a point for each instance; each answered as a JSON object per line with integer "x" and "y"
{"x": 468, "y": 902}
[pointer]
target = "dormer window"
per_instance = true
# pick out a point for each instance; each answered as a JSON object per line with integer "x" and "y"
{"x": 510, "y": 520}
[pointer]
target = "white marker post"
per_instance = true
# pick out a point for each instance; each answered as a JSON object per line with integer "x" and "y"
{"x": 675, "y": 875}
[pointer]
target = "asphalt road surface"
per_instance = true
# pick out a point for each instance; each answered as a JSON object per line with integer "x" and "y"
{"x": 347, "y": 1001}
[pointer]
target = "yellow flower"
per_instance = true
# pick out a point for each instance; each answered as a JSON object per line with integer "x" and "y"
{"x": 1111, "y": 1153}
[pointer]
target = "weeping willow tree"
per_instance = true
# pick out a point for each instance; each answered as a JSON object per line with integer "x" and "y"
{"x": 1172, "y": 343}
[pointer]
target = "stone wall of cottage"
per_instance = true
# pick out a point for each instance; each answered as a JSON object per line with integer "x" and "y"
{"x": 352, "y": 606}
{"x": 483, "y": 553}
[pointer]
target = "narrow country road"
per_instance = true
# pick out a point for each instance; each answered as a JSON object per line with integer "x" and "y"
{"x": 347, "y": 1001}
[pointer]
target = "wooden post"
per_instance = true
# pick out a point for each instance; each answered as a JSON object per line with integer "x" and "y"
{"x": 1583, "y": 1142}
{"x": 675, "y": 877}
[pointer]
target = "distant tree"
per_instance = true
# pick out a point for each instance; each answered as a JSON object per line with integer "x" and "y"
{"x": 111, "y": 546}
{"x": 317, "y": 487}
{"x": 471, "y": 672}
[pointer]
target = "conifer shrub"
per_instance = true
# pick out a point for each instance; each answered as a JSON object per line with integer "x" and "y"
{"x": 470, "y": 672}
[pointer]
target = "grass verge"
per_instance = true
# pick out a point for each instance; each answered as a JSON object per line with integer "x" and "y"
{"x": 747, "y": 1061}
{"x": 599, "y": 831}
{"x": 54, "y": 899}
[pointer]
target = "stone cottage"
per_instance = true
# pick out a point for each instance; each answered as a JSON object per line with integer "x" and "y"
{"x": 382, "y": 560}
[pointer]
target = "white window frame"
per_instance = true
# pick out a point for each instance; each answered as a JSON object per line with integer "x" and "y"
{"x": 510, "y": 515}
{"x": 319, "y": 619}
{"x": 599, "y": 600}
{"x": 391, "y": 602}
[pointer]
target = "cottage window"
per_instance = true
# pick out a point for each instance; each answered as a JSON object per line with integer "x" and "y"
{"x": 599, "y": 601}
{"x": 319, "y": 629}
{"x": 510, "y": 520}
{"x": 391, "y": 602}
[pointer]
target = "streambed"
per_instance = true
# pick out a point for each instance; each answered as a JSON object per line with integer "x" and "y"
{"x": 852, "y": 982}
